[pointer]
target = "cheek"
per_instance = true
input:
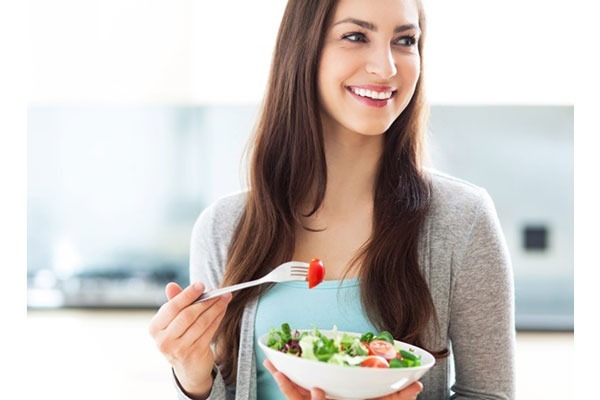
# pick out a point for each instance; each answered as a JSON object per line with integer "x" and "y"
{"x": 330, "y": 83}
{"x": 410, "y": 71}
{"x": 416, "y": 69}
{"x": 330, "y": 74}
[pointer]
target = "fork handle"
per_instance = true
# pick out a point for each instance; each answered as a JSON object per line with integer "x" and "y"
{"x": 218, "y": 292}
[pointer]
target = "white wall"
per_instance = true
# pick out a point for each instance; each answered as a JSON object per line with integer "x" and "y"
{"x": 111, "y": 51}
{"x": 499, "y": 52}
{"x": 195, "y": 51}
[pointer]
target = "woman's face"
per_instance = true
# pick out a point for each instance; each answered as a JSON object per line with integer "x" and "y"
{"x": 369, "y": 65}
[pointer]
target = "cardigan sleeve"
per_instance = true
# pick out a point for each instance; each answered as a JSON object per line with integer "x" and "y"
{"x": 218, "y": 392}
{"x": 481, "y": 328}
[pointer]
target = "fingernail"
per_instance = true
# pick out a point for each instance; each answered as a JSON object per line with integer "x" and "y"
{"x": 198, "y": 286}
{"x": 268, "y": 367}
{"x": 226, "y": 297}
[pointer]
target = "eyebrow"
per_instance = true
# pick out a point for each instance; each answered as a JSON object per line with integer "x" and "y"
{"x": 370, "y": 26}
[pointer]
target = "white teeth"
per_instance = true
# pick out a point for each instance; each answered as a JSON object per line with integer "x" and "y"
{"x": 372, "y": 94}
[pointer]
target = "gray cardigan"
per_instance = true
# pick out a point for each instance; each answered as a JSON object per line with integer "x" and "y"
{"x": 464, "y": 259}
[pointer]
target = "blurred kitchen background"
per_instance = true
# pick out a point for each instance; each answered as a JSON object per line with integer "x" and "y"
{"x": 114, "y": 192}
{"x": 138, "y": 119}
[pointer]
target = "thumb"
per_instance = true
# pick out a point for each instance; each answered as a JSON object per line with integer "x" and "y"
{"x": 317, "y": 394}
{"x": 172, "y": 289}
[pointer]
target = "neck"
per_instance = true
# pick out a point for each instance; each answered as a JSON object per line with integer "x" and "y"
{"x": 352, "y": 164}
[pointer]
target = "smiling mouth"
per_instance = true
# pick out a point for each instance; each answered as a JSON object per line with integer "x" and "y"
{"x": 372, "y": 94}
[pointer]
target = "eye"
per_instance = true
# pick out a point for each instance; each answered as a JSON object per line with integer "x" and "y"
{"x": 407, "y": 41}
{"x": 355, "y": 37}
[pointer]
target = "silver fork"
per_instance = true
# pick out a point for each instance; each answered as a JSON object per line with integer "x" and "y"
{"x": 289, "y": 271}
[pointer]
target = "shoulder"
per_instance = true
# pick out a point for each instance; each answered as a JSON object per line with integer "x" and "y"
{"x": 451, "y": 191}
{"x": 221, "y": 217}
{"x": 227, "y": 206}
{"x": 456, "y": 199}
{"x": 211, "y": 235}
{"x": 456, "y": 206}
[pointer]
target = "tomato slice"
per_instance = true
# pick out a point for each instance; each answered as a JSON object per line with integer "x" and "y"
{"x": 375, "y": 362}
{"x": 316, "y": 272}
{"x": 383, "y": 349}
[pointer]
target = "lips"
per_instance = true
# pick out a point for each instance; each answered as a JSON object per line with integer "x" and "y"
{"x": 372, "y": 95}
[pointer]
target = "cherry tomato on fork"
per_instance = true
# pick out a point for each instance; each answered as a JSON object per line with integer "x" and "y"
{"x": 316, "y": 272}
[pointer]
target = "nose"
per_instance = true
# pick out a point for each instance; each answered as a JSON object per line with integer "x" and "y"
{"x": 381, "y": 62}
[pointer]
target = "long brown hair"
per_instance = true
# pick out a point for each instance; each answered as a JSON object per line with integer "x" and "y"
{"x": 288, "y": 163}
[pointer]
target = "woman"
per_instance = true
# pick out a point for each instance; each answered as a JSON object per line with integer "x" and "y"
{"x": 337, "y": 173}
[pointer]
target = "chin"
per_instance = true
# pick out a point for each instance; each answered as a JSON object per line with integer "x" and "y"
{"x": 372, "y": 130}
{"x": 370, "y": 125}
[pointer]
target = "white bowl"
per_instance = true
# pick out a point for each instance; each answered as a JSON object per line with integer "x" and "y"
{"x": 345, "y": 382}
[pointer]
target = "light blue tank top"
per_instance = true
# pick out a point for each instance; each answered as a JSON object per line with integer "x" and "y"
{"x": 328, "y": 304}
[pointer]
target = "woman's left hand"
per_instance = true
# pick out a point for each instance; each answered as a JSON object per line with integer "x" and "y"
{"x": 295, "y": 392}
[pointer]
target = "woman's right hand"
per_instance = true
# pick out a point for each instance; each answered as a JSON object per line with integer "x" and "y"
{"x": 183, "y": 332}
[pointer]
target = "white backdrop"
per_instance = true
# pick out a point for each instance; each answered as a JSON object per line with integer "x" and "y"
{"x": 195, "y": 52}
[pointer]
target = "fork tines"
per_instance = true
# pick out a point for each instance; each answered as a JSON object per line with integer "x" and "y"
{"x": 298, "y": 271}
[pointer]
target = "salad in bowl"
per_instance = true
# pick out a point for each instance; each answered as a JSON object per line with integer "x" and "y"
{"x": 346, "y": 365}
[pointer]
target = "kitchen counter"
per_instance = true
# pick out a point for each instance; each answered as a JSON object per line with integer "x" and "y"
{"x": 105, "y": 354}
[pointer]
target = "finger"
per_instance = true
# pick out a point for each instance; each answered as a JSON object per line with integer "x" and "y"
{"x": 269, "y": 366}
{"x": 413, "y": 390}
{"x": 408, "y": 393}
{"x": 195, "y": 342}
{"x": 172, "y": 289}
{"x": 288, "y": 388}
{"x": 317, "y": 394}
{"x": 202, "y": 332}
{"x": 199, "y": 315}
{"x": 168, "y": 311}
{"x": 196, "y": 338}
